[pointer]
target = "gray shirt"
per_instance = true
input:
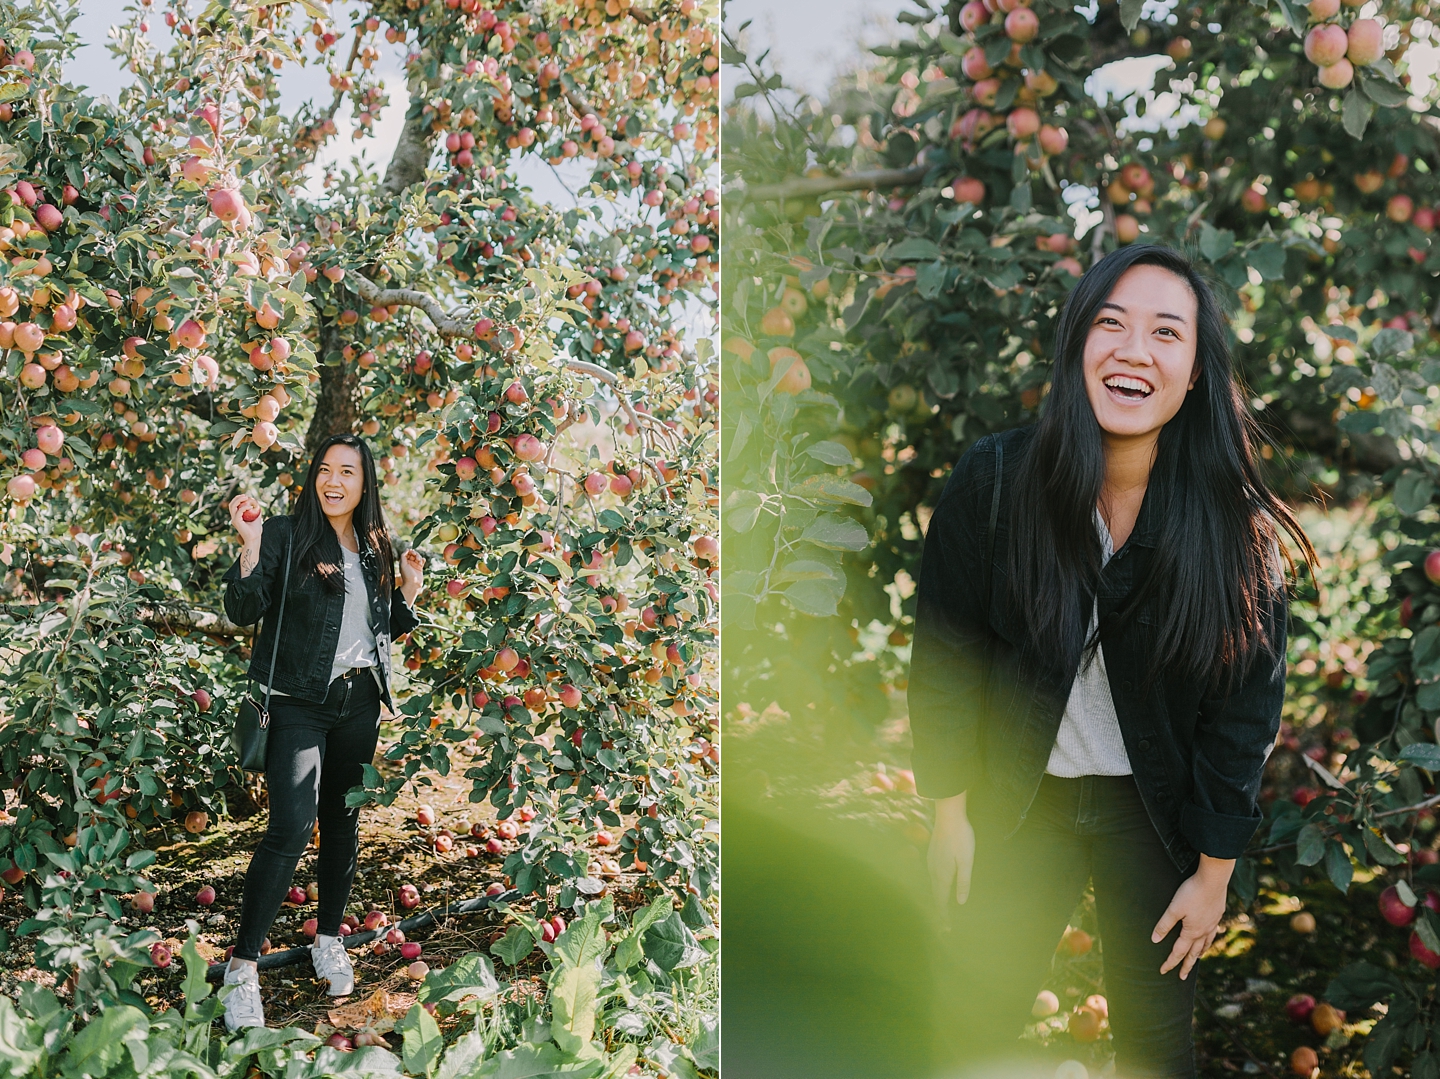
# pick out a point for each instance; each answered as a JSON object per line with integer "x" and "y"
{"x": 356, "y": 647}
{"x": 1089, "y": 741}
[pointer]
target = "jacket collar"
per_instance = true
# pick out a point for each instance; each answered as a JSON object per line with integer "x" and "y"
{"x": 1146, "y": 532}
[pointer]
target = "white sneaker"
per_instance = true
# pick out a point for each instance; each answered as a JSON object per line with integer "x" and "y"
{"x": 332, "y": 963}
{"x": 243, "y": 1007}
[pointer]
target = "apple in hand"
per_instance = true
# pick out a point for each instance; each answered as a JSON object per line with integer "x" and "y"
{"x": 250, "y": 516}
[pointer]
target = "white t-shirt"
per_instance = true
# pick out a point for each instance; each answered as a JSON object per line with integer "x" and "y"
{"x": 1089, "y": 742}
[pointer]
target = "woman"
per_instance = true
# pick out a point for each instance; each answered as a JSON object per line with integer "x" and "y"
{"x": 331, "y": 674}
{"x": 1097, "y": 699}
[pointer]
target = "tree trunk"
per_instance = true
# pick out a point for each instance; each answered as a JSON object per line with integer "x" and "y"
{"x": 337, "y": 404}
{"x": 412, "y": 154}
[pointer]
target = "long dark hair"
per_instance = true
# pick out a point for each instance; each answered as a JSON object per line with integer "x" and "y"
{"x": 1214, "y": 562}
{"x": 317, "y": 549}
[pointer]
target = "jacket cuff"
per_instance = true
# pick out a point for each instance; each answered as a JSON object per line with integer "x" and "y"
{"x": 942, "y": 779}
{"x": 1217, "y": 834}
{"x": 402, "y": 616}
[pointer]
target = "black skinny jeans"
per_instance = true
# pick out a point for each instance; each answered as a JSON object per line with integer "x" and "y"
{"x": 1022, "y": 891}
{"x": 315, "y": 754}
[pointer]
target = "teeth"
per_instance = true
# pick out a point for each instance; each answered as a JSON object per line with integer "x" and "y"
{"x": 1123, "y": 382}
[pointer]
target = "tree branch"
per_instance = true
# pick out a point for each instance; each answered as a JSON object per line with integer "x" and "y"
{"x": 810, "y": 186}
{"x": 173, "y": 618}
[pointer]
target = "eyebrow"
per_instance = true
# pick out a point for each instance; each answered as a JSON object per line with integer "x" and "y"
{"x": 1158, "y": 314}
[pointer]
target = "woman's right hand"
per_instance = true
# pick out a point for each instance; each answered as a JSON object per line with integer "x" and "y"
{"x": 241, "y": 508}
{"x": 952, "y": 853}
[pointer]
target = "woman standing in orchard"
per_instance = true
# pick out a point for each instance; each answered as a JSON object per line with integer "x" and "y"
{"x": 331, "y": 674}
{"x": 1099, "y": 666}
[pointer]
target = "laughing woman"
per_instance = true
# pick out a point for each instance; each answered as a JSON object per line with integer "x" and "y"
{"x": 1099, "y": 666}
{"x": 332, "y": 672}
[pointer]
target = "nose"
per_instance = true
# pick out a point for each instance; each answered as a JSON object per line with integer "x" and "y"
{"x": 1132, "y": 348}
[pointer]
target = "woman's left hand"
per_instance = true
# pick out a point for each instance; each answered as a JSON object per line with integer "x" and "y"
{"x": 1199, "y": 904}
{"x": 412, "y": 574}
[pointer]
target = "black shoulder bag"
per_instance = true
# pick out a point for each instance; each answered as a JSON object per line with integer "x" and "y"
{"x": 252, "y": 725}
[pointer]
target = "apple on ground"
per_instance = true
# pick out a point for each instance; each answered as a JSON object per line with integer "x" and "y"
{"x": 417, "y": 970}
{"x": 396, "y": 936}
{"x": 425, "y": 816}
{"x": 1299, "y": 1007}
{"x": 296, "y": 895}
{"x": 312, "y": 892}
{"x": 160, "y": 954}
{"x": 143, "y": 901}
{"x": 1304, "y": 1061}
{"x": 205, "y": 896}
{"x": 1325, "y": 1018}
{"x": 339, "y": 1041}
{"x": 410, "y": 949}
{"x": 375, "y": 919}
{"x": 310, "y": 928}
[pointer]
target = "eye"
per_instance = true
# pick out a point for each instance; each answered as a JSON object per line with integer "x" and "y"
{"x": 1172, "y": 333}
{"x": 1107, "y": 318}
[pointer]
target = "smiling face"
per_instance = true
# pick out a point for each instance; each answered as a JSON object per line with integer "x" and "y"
{"x": 339, "y": 483}
{"x": 1140, "y": 353}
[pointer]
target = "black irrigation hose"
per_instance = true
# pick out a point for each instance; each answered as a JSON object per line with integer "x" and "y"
{"x": 216, "y": 971}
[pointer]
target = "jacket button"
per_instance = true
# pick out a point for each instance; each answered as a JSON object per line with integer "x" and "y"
{"x": 1128, "y": 687}
{"x": 1144, "y": 743}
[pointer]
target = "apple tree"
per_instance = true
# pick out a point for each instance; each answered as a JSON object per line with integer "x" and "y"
{"x": 187, "y": 301}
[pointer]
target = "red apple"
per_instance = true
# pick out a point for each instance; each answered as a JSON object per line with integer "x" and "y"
{"x": 296, "y": 895}
{"x": 1084, "y": 1024}
{"x": 144, "y": 902}
{"x": 1299, "y": 1007}
{"x": 417, "y": 970}
{"x": 379, "y": 948}
{"x": 425, "y": 816}
{"x": 410, "y": 949}
{"x": 205, "y": 896}
{"x": 1432, "y": 567}
{"x": 409, "y": 899}
{"x": 376, "y": 919}
{"x": 1393, "y": 909}
{"x": 339, "y": 1041}
{"x": 506, "y": 829}
{"x": 196, "y": 821}
{"x": 396, "y": 936}
{"x": 494, "y": 846}
{"x": 160, "y": 954}
{"x": 495, "y": 889}
{"x": 310, "y": 928}
{"x": 250, "y": 516}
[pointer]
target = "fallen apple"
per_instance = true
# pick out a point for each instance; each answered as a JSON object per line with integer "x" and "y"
{"x": 425, "y": 816}
{"x": 417, "y": 970}
{"x": 1076, "y": 942}
{"x": 495, "y": 889}
{"x": 296, "y": 895}
{"x": 1304, "y": 922}
{"x": 1299, "y": 1007}
{"x": 507, "y": 829}
{"x": 310, "y": 927}
{"x": 1099, "y": 1003}
{"x": 375, "y": 919}
{"x": 144, "y": 902}
{"x": 379, "y": 948}
{"x": 494, "y": 846}
{"x": 205, "y": 896}
{"x": 1325, "y": 1018}
{"x": 410, "y": 899}
{"x": 395, "y": 936}
{"x": 479, "y": 830}
{"x": 339, "y": 1041}
{"x": 1304, "y": 1061}
{"x": 160, "y": 954}
{"x": 352, "y": 920}
{"x": 1046, "y": 1004}
{"x": 410, "y": 949}
{"x": 312, "y": 892}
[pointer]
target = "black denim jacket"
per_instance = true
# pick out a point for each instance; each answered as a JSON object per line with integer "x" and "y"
{"x": 311, "y": 631}
{"x": 985, "y": 706}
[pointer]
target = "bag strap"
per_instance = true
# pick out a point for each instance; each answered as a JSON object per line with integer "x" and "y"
{"x": 994, "y": 516}
{"x": 279, "y": 622}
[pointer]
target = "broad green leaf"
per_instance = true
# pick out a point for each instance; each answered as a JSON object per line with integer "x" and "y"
{"x": 1422, "y": 754}
{"x": 1130, "y": 14}
{"x": 1413, "y": 491}
{"x": 667, "y": 941}
{"x": 1338, "y": 866}
{"x": 832, "y": 453}
{"x": 742, "y": 510}
{"x": 804, "y": 570}
{"x": 1391, "y": 342}
{"x": 833, "y": 489}
{"x": 572, "y": 1005}
{"x": 836, "y": 534}
{"x": 915, "y": 248}
{"x": 422, "y": 1040}
{"x": 18, "y": 1051}
{"x": 1357, "y": 112}
{"x": 470, "y": 975}
{"x": 195, "y": 987}
{"x": 1360, "y": 985}
{"x": 463, "y": 1058}
{"x": 1215, "y": 243}
{"x": 1385, "y": 94}
{"x": 1269, "y": 261}
{"x": 629, "y": 951}
{"x": 514, "y": 946}
{"x": 819, "y": 598}
{"x": 1310, "y": 845}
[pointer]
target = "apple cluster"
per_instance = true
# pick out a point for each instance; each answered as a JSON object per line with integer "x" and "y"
{"x": 1337, "y": 50}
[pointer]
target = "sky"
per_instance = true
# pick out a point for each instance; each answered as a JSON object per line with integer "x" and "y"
{"x": 95, "y": 68}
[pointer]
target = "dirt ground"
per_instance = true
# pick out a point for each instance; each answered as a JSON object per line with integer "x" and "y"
{"x": 394, "y": 850}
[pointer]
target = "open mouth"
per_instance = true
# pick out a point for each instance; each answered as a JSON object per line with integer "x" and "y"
{"x": 334, "y": 499}
{"x": 1128, "y": 388}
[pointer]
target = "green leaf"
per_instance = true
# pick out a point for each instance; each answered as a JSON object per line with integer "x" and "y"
{"x": 1382, "y": 1045}
{"x": 470, "y": 975}
{"x": 514, "y": 946}
{"x": 1338, "y": 866}
{"x": 1310, "y": 845}
{"x": 1391, "y": 342}
{"x": 828, "y": 488}
{"x": 1130, "y": 13}
{"x": 1357, "y": 112}
{"x": 832, "y": 453}
{"x": 836, "y": 534}
{"x": 1269, "y": 261}
{"x": 422, "y": 1040}
{"x": 463, "y": 1058}
{"x": 802, "y": 569}
{"x": 18, "y": 1052}
{"x": 818, "y": 598}
{"x": 195, "y": 987}
{"x": 573, "y": 991}
{"x": 1413, "y": 491}
{"x": 914, "y": 249}
{"x": 530, "y": 1061}
{"x": 1422, "y": 754}
{"x": 1215, "y": 243}
{"x": 1385, "y": 94}
{"x": 1360, "y": 985}
{"x": 629, "y": 951}
{"x": 742, "y": 510}
{"x": 584, "y": 940}
{"x": 667, "y": 941}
